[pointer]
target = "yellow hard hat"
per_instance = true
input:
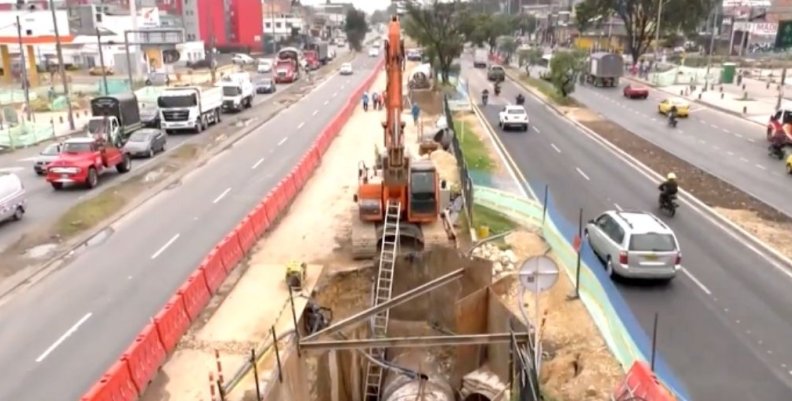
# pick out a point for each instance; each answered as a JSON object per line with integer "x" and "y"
{"x": 671, "y": 176}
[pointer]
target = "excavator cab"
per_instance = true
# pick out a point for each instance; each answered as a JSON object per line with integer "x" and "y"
{"x": 424, "y": 203}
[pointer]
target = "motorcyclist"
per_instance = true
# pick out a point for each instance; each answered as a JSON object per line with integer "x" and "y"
{"x": 672, "y": 115}
{"x": 497, "y": 88}
{"x": 520, "y": 99}
{"x": 777, "y": 142}
{"x": 484, "y": 96}
{"x": 668, "y": 189}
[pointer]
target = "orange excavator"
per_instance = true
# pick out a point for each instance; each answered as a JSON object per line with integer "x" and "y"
{"x": 397, "y": 195}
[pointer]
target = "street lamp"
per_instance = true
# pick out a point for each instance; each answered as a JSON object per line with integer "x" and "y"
{"x": 61, "y": 67}
{"x": 657, "y": 29}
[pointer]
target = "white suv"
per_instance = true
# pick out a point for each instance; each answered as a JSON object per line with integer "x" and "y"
{"x": 346, "y": 69}
{"x": 514, "y": 116}
{"x": 635, "y": 245}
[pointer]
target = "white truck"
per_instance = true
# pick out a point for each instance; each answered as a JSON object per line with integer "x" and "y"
{"x": 238, "y": 91}
{"x": 480, "y": 58}
{"x": 189, "y": 108}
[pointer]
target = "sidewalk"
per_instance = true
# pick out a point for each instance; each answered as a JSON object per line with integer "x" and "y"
{"x": 43, "y": 127}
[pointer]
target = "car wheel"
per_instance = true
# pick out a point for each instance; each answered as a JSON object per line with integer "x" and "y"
{"x": 609, "y": 267}
{"x": 150, "y": 153}
{"x": 93, "y": 178}
{"x": 57, "y": 185}
{"x": 18, "y": 213}
{"x": 217, "y": 116}
{"x": 789, "y": 168}
{"x": 125, "y": 164}
{"x": 525, "y": 128}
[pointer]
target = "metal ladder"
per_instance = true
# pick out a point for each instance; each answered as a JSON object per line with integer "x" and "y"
{"x": 382, "y": 293}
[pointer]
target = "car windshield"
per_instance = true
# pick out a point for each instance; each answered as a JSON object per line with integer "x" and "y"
{"x": 76, "y": 147}
{"x": 422, "y": 183}
{"x": 652, "y": 242}
{"x": 50, "y": 150}
{"x": 140, "y": 136}
{"x": 265, "y": 82}
{"x": 98, "y": 126}
{"x": 497, "y": 68}
{"x": 516, "y": 111}
{"x": 177, "y": 101}
{"x": 231, "y": 91}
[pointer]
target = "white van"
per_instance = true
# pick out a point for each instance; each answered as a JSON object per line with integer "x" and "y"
{"x": 13, "y": 199}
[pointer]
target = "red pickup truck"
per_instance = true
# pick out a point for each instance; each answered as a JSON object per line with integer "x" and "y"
{"x": 83, "y": 159}
{"x": 636, "y": 92}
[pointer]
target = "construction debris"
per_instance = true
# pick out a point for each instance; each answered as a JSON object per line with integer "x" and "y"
{"x": 504, "y": 262}
{"x": 485, "y": 382}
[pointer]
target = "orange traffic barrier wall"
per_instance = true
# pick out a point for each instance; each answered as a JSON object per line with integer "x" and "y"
{"x": 171, "y": 323}
{"x": 128, "y": 377}
{"x": 214, "y": 271}
{"x": 230, "y": 251}
{"x": 144, "y": 357}
{"x": 194, "y": 294}
{"x": 246, "y": 234}
{"x": 115, "y": 385}
{"x": 641, "y": 383}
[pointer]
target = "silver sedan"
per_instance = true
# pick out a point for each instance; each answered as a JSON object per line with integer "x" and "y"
{"x": 146, "y": 142}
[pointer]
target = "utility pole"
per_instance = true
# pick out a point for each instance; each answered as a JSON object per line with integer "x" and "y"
{"x": 136, "y": 63}
{"x": 711, "y": 49}
{"x": 61, "y": 68}
{"x": 212, "y": 49}
{"x": 272, "y": 17}
{"x": 101, "y": 61}
{"x": 25, "y": 81}
{"x": 781, "y": 88}
{"x": 657, "y": 30}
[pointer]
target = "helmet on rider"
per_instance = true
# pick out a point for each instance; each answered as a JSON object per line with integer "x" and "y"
{"x": 671, "y": 176}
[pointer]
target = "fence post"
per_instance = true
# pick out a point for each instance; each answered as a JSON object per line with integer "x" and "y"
{"x": 255, "y": 373}
{"x": 578, "y": 245}
{"x": 294, "y": 319}
{"x": 277, "y": 354}
{"x": 544, "y": 204}
{"x": 221, "y": 391}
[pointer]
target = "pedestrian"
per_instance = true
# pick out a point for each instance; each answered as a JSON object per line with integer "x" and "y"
{"x": 375, "y": 100}
{"x": 416, "y": 111}
{"x": 365, "y": 101}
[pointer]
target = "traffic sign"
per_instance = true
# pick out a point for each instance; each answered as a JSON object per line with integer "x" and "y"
{"x": 784, "y": 35}
{"x": 538, "y": 274}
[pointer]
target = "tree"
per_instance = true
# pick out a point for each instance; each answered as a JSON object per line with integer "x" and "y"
{"x": 507, "y": 45}
{"x": 564, "y": 67}
{"x": 355, "y": 28}
{"x": 640, "y": 18}
{"x": 439, "y": 29}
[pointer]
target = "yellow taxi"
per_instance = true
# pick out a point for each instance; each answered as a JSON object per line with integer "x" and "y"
{"x": 682, "y": 106}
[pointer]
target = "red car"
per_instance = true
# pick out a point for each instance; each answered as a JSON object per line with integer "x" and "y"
{"x": 82, "y": 160}
{"x": 636, "y": 92}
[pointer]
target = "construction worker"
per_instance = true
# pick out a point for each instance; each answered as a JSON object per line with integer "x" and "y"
{"x": 365, "y": 101}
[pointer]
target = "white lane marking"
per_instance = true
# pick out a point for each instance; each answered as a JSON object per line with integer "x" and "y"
{"x": 726, "y": 131}
{"x": 701, "y": 141}
{"x": 738, "y": 136}
{"x": 164, "y": 247}
{"x": 537, "y": 130}
{"x": 222, "y": 195}
{"x": 326, "y": 102}
{"x": 257, "y": 163}
{"x": 555, "y": 147}
{"x": 714, "y": 126}
{"x": 582, "y": 173}
{"x": 301, "y": 125}
{"x": 335, "y": 94}
{"x": 282, "y": 141}
{"x": 618, "y": 207}
{"x": 759, "y": 166}
{"x": 315, "y": 112}
{"x": 751, "y": 140}
{"x": 11, "y": 169}
{"x": 63, "y": 338}
{"x": 744, "y": 160}
{"x": 696, "y": 281}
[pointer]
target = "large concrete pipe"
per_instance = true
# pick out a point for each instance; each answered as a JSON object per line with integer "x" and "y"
{"x": 398, "y": 387}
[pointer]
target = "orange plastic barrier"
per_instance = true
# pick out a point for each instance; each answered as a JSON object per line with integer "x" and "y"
{"x": 144, "y": 357}
{"x": 246, "y": 234}
{"x": 278, "y": 199}
{"x": 230, "y": 251}
{"x": 171, "y": 323}
{"x": 194, "y": 294}
{"x": 115, "y": 385}
{"x": 214, "y": 270}
{"x": 270, "y": 203}
{"x": 641, "y": 382}
{"x": 291, "y": 189}
{"x": 259, "y": 219}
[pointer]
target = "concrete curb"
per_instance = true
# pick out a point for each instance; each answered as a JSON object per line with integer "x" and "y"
{"x": 767, "y": 252}
{"x": 701, "y": 102}
{"x": 11, "y": 286}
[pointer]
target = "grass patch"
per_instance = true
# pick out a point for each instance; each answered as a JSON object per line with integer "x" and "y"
{"x": 473, "y": 149}
{"x": 497, "y": 223}
{"x": 89, "y": 213}
{"x": 548, "y": 90}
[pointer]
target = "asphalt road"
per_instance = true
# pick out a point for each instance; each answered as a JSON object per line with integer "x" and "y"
{"x": 724, "y": 145}
{"x": 724, "y": 321}
{"x": 69, "y": 328}
{"x": 45, "y": 204}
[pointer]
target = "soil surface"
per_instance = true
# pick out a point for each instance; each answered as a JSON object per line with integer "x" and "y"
{"x": 578, "y": 366}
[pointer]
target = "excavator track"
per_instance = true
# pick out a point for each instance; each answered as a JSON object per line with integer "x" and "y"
{"x": 366, "y": 238}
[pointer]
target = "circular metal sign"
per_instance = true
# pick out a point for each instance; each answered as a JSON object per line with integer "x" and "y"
{"x": 538, "y": 274}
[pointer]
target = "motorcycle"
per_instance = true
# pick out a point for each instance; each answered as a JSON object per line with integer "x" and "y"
{"x": 497, "y": 90}
{"x": 672, "y": 121}
{"x": 776, "y": 152}
{"x": 484, "y": 98}
{"x": 520, "y": 100}
{"x": 668, "y": 205}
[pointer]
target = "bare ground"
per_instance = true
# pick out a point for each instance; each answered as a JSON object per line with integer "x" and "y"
{"x": 577, "y": 364}
{"x": 763, "y": 221}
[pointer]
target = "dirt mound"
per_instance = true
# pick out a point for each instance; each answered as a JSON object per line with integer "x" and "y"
{"x": 446, "y": 166}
